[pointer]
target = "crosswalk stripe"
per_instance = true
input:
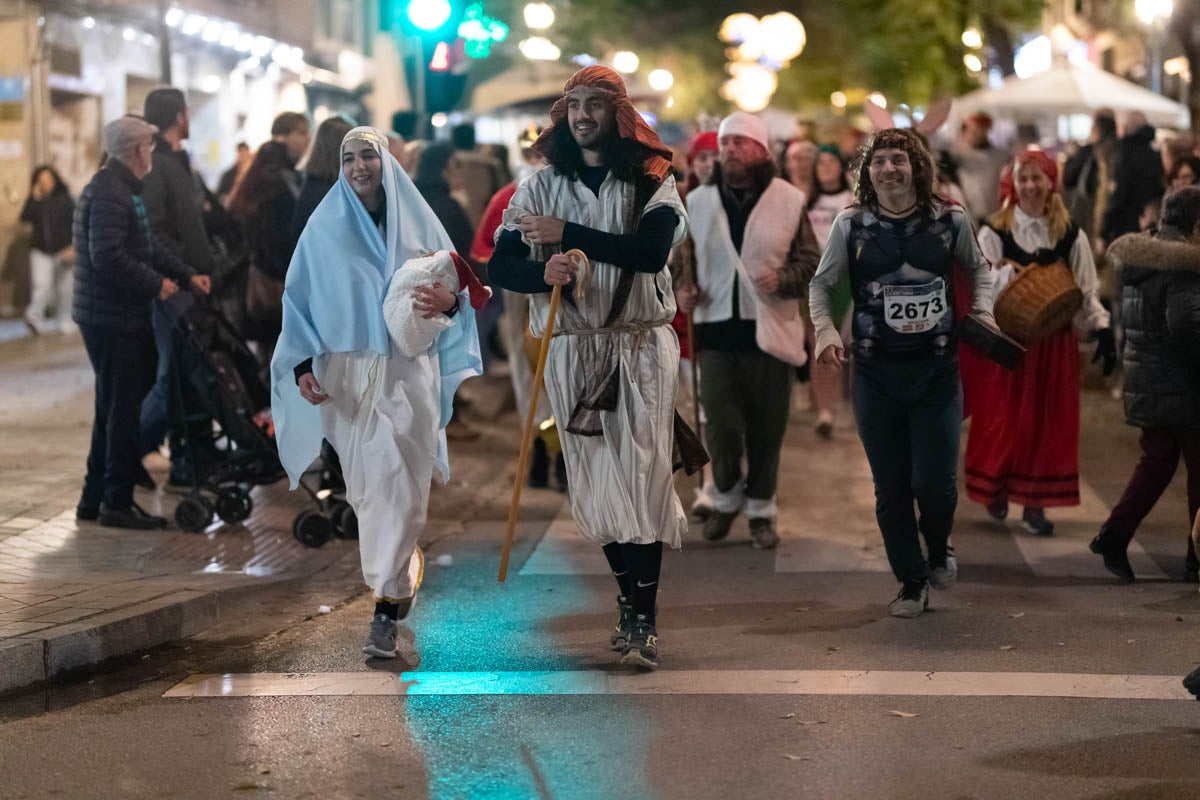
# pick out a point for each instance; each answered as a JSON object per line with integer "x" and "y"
{"x": 689, "y": 682}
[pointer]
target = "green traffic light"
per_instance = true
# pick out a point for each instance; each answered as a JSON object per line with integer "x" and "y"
{"x": 428, "y": 15}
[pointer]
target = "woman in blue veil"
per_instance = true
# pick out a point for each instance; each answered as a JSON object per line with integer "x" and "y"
{"x": 336, "y": 373}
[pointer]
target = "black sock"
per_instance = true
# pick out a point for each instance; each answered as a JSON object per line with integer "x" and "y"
{"x": 391, "y": 610}
{"x": 645, "y": 564}
{"x": 620, "y": 570}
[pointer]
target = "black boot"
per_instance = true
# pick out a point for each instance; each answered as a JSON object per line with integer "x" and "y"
{"x": 1116, "y": 559}
{"x": 1192, "y": 682}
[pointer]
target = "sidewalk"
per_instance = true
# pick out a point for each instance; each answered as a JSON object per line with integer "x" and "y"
{"x": 73, "y": 595}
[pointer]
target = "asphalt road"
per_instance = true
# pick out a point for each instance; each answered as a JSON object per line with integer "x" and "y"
{"x": 728, "y": 613}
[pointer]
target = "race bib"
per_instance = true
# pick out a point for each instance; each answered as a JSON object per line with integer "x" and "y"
{"x": 914, "y": 309}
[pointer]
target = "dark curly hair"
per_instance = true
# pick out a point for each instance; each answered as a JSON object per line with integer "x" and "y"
{"x": 918, "y": 155}
{"x": 625, "y": 158}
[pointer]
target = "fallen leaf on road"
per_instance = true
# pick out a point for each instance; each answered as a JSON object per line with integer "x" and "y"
{"x": 787, "y": 716}
{"x": 903, "y": 714}
{"x": 812, "y": 722}
{"x": 802, "y": 609}
{"x": 790, "y": 757}
{"x": 1018, "y": 615}
{"x": 831, "y": 649}
{"x": 1131, "y": 641}
{"x": 1008, "y": 647}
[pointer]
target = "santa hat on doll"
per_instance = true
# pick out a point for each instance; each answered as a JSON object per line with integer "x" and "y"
{"x": 467, "y": 279}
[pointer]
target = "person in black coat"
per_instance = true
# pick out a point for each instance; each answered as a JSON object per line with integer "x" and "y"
{"x": 49, "y": 208}
{"x": 172, "y": 197}
{"x": 264, "y": 201}
{"x": 321, "y": 170}
{"x": 1137, "y": 178}
{"x": 122, "y": 266}
{"x": 437, "y": 175}
{"x": 1160, "y": 304}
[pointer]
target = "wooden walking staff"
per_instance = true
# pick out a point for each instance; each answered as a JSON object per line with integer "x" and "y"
{"x": 581, "y": 282}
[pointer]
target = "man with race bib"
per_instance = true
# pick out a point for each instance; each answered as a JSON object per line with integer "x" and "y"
{"x": 903, "y": 247}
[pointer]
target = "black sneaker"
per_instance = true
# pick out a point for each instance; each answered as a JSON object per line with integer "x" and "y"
{"x": 1116, "y": 559}
{"x": 620, "y": 634}
{"x": 1034, "y": 523}
{"x": 642, "y": 648}
{"x": 1192, "y": 682}
{"x": 717, "y": 526}
{"x": 133, "y": 518}
{"x": 762, "y": 532}
{"x": 87, "y": 513}
{"x": 912, "y": 601}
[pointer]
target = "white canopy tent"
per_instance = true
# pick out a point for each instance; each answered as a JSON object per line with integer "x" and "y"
{"x": 1068, "y": 89}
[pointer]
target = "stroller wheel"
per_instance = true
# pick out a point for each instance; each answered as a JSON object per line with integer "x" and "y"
{"x": 234, "y": 505}
{"x": 312, "y": 529}
{"x": 193, "y": 514}
{"x": 345, "y": 521}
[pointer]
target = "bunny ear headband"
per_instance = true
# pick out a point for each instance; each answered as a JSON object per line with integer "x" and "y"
{"x": 934, "y": 118}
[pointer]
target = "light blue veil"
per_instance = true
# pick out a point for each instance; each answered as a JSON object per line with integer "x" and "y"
{"x": 333, "y": 301}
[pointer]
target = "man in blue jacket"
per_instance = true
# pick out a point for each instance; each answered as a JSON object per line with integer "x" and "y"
{"x": 121, "y": 268}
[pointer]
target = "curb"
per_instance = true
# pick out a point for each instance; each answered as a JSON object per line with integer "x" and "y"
{"x": 80, "y": 646}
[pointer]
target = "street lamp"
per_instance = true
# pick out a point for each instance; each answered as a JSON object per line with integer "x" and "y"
{"x": 539, "y": 48}
{"x": 661, "y": 80}
{"x": 538, "y": 16}
{"x": 625, "y": 61}
{"x": 1154, "y": 15}
{"x": 972, "y": 38}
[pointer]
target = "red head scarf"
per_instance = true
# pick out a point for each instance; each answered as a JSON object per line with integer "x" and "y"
{"x": 702, "y": 142}
{"x": 630, "y": 124}
{"x": 1008, "y": 183}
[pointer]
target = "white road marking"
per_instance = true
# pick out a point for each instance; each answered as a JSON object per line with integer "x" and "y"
{"x": 693, "y": 682}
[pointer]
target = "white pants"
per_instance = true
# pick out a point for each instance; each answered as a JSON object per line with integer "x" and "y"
{"x": 50, "y": 284}
{"x": 382, "y": 418}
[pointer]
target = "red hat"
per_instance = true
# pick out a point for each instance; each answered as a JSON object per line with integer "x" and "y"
{"x": 701, "y": 142}
{"x": 467, "y": 279}
{"x": 1008, "y": 184}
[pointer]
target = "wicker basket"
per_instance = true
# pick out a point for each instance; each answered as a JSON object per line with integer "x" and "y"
{"x": 1038, "y": 302}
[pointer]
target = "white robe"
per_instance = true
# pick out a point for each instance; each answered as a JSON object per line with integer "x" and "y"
{"x": 622, "y": 485}
{"x": 382, "y": 418}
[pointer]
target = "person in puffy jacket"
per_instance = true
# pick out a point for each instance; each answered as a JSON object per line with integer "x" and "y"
{"x": 49, "y": 209}
{"x": 121, "y": 267}
{"x": 1160, "y": 303}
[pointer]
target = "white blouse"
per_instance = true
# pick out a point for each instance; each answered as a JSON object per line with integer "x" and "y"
{"x": 1031, "y": 234}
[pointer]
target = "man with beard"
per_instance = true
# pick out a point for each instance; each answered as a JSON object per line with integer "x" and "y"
{"x": 901, "y": 247}
{"x": 755, "y": 252}
{"x": 613, "y": 362}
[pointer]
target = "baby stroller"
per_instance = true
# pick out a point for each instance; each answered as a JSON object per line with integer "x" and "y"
{"x": 220, "y": 412}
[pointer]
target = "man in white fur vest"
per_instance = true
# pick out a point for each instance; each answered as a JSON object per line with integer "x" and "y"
{"x": 755, "y": 252}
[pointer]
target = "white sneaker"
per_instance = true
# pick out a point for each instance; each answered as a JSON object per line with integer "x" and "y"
{"x": 944, "y": 577}
{"x": 911, "y": 602}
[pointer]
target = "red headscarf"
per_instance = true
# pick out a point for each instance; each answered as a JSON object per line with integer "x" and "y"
{"x": 701, "y": 143}
{"x": 630, "y": 124}
{"x": 1008, "y": 184}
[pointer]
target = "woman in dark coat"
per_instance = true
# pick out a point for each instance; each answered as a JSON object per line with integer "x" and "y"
{"x": 438, "y": 175}
{"x": 50, "y": 209}
{"x": 1160, "y": 306}
{"x": 321, "y": 170}
{"x": 264, "y": 201}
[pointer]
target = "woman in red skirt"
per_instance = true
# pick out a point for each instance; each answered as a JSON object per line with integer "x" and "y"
{"x": 1024, "y": 441}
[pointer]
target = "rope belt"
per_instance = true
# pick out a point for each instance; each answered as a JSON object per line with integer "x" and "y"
{"x": 625, "y": 327}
